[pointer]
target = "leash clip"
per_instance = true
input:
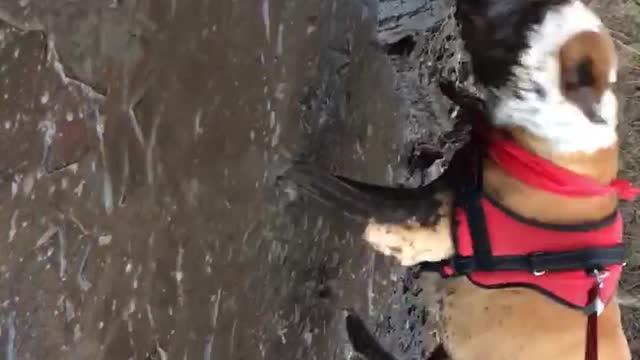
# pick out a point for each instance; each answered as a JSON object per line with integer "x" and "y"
{"x": 596, "y": 306}
{"x": 596, "y": 274}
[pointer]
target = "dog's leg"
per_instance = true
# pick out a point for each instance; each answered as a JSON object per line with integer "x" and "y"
{"x": 412, "y": 225}
{"x": 413, "y": 242}
{"x": 363, "y": 341}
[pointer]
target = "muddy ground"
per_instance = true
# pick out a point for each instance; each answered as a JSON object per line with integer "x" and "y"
{"x": 139, "y": 143}
{"x": 623, "y": 19}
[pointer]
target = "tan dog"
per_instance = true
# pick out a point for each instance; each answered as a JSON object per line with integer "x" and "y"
{"x": 547, "y": 68}
{"x": 571, "y": 57}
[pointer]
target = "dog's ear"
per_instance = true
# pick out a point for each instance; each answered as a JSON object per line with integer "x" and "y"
{"x": 587, "y": 70}
{"x": 483, "y": 18}
{"x": 495, "y": 34}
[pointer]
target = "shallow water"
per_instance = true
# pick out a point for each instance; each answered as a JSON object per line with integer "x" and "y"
{"x": 140, "y": 140}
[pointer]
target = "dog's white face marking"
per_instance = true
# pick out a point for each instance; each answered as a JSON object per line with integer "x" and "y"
{"x": 552, "y": 116}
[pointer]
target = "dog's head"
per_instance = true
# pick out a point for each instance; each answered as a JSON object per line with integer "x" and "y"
{"x": 546, "y": 65}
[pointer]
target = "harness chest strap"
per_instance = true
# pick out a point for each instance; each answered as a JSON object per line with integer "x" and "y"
{"x": 498, "y": 249}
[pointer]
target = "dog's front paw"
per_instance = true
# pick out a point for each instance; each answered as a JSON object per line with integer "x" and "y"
{"x": 411, "y": 243}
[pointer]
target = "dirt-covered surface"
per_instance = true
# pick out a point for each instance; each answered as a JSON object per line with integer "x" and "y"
{"x": 139, "y": 141}
{"x": 623, "y": 19}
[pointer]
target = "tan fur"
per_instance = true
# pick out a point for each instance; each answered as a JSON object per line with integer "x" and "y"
{"x": 521, "y": 324}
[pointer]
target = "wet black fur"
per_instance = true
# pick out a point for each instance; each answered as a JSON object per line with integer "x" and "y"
{"x": 494, "y": 33}
{"x": 364, "y": 201}
{"x": 389, "y": 204}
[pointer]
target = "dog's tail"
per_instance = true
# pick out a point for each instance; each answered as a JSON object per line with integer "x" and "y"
{"x": 364, "y": 201}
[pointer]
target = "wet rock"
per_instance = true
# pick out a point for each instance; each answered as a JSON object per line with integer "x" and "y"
{"x": 139, "y": 143}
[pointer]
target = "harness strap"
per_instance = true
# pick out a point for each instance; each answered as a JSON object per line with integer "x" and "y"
{"x": 590, "y": 258}
{"x": 581, "y": 259}
{"x": 482, "y": 256}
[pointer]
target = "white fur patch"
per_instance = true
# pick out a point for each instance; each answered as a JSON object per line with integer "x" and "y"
{"x": 411, "y": 243}
{"x": 553, "y": 117}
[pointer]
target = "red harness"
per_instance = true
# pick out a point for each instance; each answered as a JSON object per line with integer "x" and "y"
{"x": 577, "y": 265}
{"x": 556, "y": 256}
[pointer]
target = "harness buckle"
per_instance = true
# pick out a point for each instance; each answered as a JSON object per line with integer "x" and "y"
{"x": 462, "y": 265}
{"x": 535, "y": 267}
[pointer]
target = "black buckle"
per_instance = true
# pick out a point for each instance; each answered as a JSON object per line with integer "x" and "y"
{"x": 534, "y": 265}
{"x": 462, "y": 265}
